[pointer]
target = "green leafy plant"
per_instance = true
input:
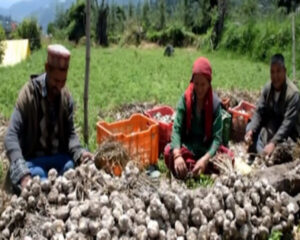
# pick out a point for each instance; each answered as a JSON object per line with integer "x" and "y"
{"x": 2, "y": 37}
{"x": 29, "y": 29}
{"x": 202, "y": 180}
{"x": 275, "y": 235}
{"x": 162, "y": 166}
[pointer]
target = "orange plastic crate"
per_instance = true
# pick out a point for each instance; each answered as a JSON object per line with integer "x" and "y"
{"x": 138, "y": 134}
{"x": 241, "y": 114}
{"x": 244, "y": 109}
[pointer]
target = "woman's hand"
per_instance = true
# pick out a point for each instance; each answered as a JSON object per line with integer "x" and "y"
{"x": 180, "y": 167}
{"x": 201, "y": 165}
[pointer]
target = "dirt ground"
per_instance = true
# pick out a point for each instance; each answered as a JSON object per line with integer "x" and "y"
{"x": 126, "y": 110}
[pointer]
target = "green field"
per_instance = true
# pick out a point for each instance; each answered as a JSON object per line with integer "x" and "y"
{"x": 125, "y": 75}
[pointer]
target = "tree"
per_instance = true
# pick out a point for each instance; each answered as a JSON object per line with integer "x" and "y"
{"x": 162, "y": 14}
{"x": 130, "y": 9}
{"x": 29, "y": 29}
{"x": 288, "y": 4}
{"x": 76, "y": 26}
{"x": 138, "y": 11}
{"x": 249, "y": 8}
{"x": 186, "y": 13}
{"x": 61, "y": 21}
{"x": 145, "y": 15}
{"x": 101, "y": 27}
{"x": 219, "y": 25}
{"x": 2, "y": 37}
{"x": 51, "y": 28}
{"x": 112, "y": 18}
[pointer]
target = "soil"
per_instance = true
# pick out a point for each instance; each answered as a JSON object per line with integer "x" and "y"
{"x": 126, "y": 110}
{"x": 236, "y": 96}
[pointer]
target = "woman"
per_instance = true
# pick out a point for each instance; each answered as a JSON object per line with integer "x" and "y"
{"x": 197, "y": 129}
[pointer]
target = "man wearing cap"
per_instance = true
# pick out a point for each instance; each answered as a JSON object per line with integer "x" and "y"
{"x": 277, "y": 114}
{"x": 41, "y": 133}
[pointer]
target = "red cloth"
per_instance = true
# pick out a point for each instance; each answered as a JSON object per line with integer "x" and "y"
{"x": 186, "y": 155}
{"x": 201, "y": 66}
{"x": 190, "y": 159}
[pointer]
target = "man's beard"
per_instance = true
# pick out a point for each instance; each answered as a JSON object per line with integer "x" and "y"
{"x": 55, "y": 91}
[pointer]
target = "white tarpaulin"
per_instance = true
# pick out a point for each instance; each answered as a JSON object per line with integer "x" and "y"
{"x": 15, "y": 51}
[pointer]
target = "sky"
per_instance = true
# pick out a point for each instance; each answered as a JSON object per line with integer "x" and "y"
{"x": 8, "y": 3}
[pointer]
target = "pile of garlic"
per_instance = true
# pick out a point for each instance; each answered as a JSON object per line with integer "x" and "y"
{"x": 284, "y": 152}
{"x": 87, "y": 203}
{"x": 165, "y": 118}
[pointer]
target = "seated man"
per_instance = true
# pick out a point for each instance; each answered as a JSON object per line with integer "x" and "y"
{"x": 276, "y": 115}
{"x": 41, "y": 133}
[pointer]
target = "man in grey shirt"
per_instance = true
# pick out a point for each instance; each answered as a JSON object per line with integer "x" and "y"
{"x": 277, "y": 114}
{"x": 41, "y": 134}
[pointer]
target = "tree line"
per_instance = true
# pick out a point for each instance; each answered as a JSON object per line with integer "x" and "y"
{"x": 177, "y": 22}
{"x": 255, "y": 27}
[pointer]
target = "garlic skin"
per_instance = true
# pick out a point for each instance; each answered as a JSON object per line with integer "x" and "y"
{"x": 153, "y": 229}
{"x": 103, "y": 234}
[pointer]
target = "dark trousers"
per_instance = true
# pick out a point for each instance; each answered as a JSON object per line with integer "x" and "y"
{"x": 41, "y": 165}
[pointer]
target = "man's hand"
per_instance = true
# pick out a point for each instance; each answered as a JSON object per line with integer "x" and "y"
{"x": 86, "y": 156}
{"x": 269, "y": 148}
{"x": 201, "y": 165}
{"x": 180, "y": 167}
{"x": 248, "y": 137}
{"x": 25, "y": 180}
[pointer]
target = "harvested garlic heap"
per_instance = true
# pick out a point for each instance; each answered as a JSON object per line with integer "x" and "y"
{"x": 89, "y": 204}
{"x": 284, "y": 152}
{"x": 165, "y": 118}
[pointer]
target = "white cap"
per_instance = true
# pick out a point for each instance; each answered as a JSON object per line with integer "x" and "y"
{"x": 58, "y": 56}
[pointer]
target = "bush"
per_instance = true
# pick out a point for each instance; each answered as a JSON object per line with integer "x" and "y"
{"x": 261, "y": 39}
{"x": 76, "y": 25}
{"x": 60, "y": 34}
{"x": 114, "y": 38}
{"x": 2, "y": 37}
{"x": 239, "y": 38}
{"x": 29, "y": 29}
{"x": 132, "y": 35}
{"x": 174, "y": 35}
{"x": 204, "y": 41}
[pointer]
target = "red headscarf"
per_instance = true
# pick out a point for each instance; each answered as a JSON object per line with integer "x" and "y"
{"x": 201, "y": 66}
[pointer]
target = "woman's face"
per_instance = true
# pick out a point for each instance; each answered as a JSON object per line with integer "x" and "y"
{"x": 201, "y": 85}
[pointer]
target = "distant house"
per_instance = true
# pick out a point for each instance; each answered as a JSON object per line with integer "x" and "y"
{"x": 13, "y": 26}
{"x": 8, "y": 24}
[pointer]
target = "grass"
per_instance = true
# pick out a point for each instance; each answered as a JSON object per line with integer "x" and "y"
{"x": 123, "y": 75}
{"x": 275, "y": 235}
{"x": 202, "y": 180}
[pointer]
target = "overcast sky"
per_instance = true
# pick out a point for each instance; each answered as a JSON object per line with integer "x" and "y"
{"x": 8, "y": 3}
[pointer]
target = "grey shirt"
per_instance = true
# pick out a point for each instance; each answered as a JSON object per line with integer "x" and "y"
{"x": 283, "y": 114}
{"x": 47, "y": 140}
